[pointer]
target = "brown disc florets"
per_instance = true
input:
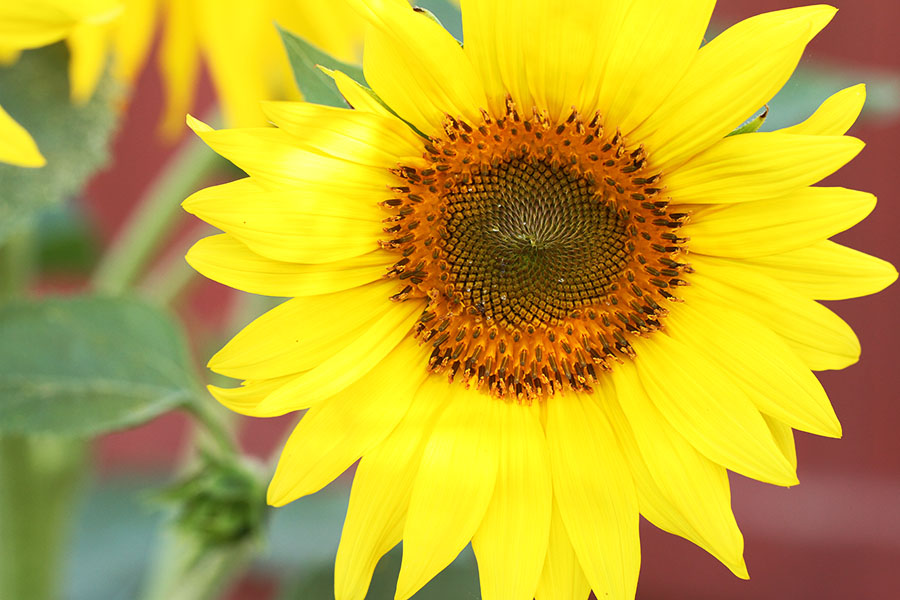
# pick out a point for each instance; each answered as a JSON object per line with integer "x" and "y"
{"x": 541, "y": 249}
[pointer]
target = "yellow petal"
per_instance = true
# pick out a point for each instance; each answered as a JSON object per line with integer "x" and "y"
{"x": 774, "y": 378}
{"x": 336, "y": 433}
{"x": 818, "y": 336}
{"x": 246, "y": 398}
{"x": 344, "y": 133}
{"x": 179, "y": 65}
{"x": 716, "y": 416}
{"x": 763, "y": 227}
{"x": 518, "y": 516}
{"x": 784, "y": 437}
{"x": 561, "y": 577}
{"x": 758, "y": 166}
{"x": 453, "y": 488}
{"x": 595, "y": 492}
{"x": 827, "y": 271}
{"x": 835, "y": 116}
{"x": 416, "y": 67}
{"x": 679, "y": 489}
{"x": 356, "y": 95}
{"x": 333, "y": 27}
{"x": 542, "y": 53}
{"x": 37, "y": 23}
{"x": 17, "y": 147}
{"x": 88, "y": 55}
{"x": 654, "y": 46}
{"x": 302, "y": 224}
{"x": 224, "y": 259}
{"x": 730, "y": 78}
{"x": 303, "y": 332}
{"x": 381, "y": 491}
{"x": 495, "y": 34}
{"x": 238, "y": 61}
{"x": 351, "y": 362}
{"x": 275, "y": 158}
{"x": 132, "y": 38}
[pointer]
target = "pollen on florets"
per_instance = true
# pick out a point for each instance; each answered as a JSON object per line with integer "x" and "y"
{"x": 541, "y": 250}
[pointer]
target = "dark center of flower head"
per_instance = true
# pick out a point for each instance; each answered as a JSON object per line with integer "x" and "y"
{"x": 542, "y": 250}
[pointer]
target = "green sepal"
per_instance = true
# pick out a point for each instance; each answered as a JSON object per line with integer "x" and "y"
{"x": 751, "y": 126}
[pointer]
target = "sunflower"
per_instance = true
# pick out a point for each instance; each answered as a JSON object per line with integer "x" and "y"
{"x": 537, "y": 290}
{"x": 31, "y": 25}
{"x": 235, "y": 39}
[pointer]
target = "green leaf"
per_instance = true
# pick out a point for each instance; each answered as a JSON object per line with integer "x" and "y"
{"x": 85, "y": 366}
{"x": 752, "y": 125}
{"x": 73, "y": 138}
{"x": 316, "y": 86}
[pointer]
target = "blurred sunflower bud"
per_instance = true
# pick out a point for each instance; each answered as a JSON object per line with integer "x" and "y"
{"x": 221, "y": 503}
{"x": 218, "y": 515}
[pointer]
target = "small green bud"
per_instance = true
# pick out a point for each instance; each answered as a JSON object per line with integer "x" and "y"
{"x": 222, "y": 503}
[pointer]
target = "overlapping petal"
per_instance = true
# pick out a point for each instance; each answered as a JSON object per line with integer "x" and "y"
{"x": 818, "y": 336}
{"x": 382, "y": 488}
{"x": 759, "y": 166}
{"x": 416, "y": 67}
{"x": 224, "y": 259}
{"x": 518, "y": 516}
{"x": 827, "y": 271}
{"x": 453, "y": 488}
{"x": 335, "y": 434}
{"x": 679, "y": 489}
{"x": 595, "y": 493}
{"x": 731, "y": 77}
{"x": 766, "y": 227}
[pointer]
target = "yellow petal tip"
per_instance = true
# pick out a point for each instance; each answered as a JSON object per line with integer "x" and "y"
{"x": 821, "y": 16}
{"x": 35, "y": 161}
{"x": 198, "y": 126}
{"x": 274, "y": 495}
{"x": 740, "y": 569}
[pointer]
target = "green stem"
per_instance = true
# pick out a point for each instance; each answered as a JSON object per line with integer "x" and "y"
{"x": 154, "y": 217}
{"x": 16, "y": 264}
{"x": 184, "y": 570}
{"x": 39, "y": 476}
{"x": 39, "y": 483}
{"x": 214, "y": 423}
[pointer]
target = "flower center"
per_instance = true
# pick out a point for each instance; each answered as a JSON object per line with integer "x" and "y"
{"x": 541, "y": 252}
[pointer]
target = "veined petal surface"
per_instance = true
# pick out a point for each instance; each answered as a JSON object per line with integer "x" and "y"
{"x": 730, "y": 78}
{"x": 453, "y": 488}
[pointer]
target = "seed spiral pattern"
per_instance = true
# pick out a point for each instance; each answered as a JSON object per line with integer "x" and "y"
{"x": 541, "y": 250}
{"x": 512, "y": 249}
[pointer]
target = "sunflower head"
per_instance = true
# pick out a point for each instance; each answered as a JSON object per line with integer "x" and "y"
{"x": 537, "y": 290}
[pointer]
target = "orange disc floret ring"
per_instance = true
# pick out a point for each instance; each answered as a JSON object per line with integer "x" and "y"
{"x": 542, "y": 250}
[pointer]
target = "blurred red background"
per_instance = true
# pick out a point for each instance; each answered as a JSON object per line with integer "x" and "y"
{"x": 836, "y": 535}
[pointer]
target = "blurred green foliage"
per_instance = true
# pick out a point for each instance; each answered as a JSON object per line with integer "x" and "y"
{"x": 316, "y": 86}
{"x": 73, "y": 138}
{"x": 85, "y": 366}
